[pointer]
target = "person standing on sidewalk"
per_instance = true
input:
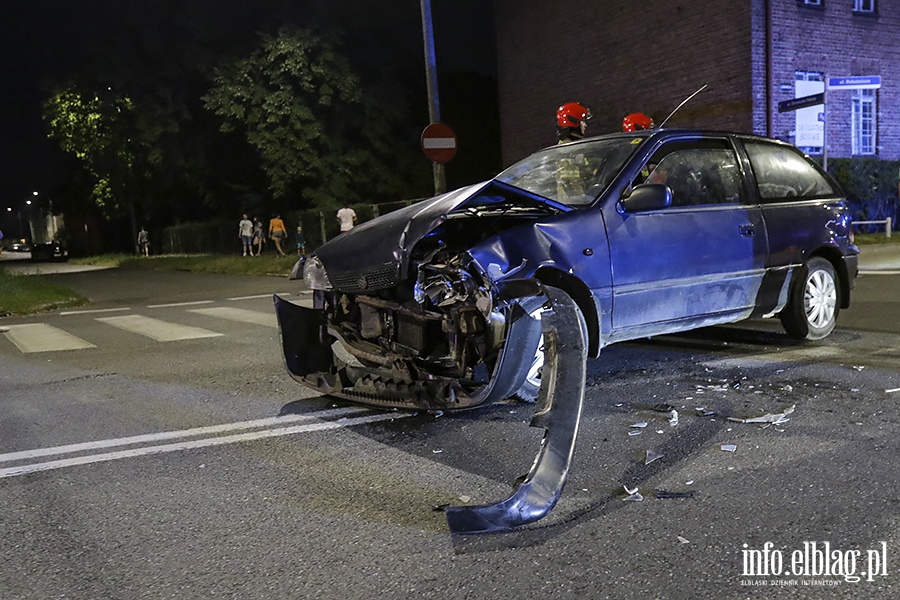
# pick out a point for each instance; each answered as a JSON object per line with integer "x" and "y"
{"x": 277, "y": 232}
{"x": 347, "y": 218}
{"x": 245, "y": 232}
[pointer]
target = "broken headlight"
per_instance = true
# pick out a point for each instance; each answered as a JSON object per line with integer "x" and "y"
{"x": 314, "y": 275}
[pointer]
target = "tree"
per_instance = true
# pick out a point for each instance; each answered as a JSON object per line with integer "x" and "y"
{"x": 319, "y": 136}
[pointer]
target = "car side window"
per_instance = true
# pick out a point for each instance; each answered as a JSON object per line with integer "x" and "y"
{"x": 784, "y": 174}
{"x": 697, "y": 176}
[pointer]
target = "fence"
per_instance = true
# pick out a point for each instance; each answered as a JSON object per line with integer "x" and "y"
{"x": 886, "y": 222}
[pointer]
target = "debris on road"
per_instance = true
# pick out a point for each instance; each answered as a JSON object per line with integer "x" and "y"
{"x": 728, "y": 447}
{"x": 673, "y": 418}
{"x": 639, "y": 425}
{"x": 891, "y": 391}
{"x": 651, "y": 455}
{"x": 633, "y": 495}
{"x": 704, "y": 412}
{"x": 683, "y": 540}
{"x": 768, "y": 418}
{"x": 666, "y": 494}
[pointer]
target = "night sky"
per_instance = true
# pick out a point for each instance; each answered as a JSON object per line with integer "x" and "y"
{"x": 46, "y": 41}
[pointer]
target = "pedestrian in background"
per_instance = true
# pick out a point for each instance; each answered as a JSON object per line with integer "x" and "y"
{"x": 143, "y": 242}
{"x": 300, "y": 240}
{"x": 347, "y": 218}
{"x": 245, "y": 232}
{"x": 259, "y": 236}
{"x": 277, "y": 232}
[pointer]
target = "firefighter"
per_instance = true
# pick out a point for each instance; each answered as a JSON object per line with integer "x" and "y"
{"x": 636, "y": 122}
{"x": 571, "y": 121}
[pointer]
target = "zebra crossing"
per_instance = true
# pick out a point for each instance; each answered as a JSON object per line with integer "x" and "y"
{"x": 39, "y": 337}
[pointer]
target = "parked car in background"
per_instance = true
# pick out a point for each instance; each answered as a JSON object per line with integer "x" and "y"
{"x": 49, "y": 251}
{"x": 439, "y": 305}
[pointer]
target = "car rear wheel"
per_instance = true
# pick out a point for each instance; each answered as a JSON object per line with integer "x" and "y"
{"x": 813, "y": 306}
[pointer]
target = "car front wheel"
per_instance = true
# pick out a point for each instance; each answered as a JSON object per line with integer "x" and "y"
{"x": 813, "y": 306}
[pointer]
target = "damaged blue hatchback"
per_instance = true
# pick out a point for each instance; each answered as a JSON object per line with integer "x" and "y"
{"x": 485, "y": 292}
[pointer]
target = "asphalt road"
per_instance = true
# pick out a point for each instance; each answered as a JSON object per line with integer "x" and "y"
{"x": 173, "y": 457}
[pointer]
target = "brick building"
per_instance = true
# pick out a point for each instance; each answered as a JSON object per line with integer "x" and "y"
{"x": 618, "y": 57}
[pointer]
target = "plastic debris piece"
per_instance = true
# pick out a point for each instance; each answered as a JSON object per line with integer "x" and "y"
{"x": 663, "y": 407}
{"x": 704, "y": 412}
{"x": 770, "y": 418}
{"x": 640, "y": 424}
{"x": 635, "y": 432}
{"x": 683, "y": 540}
{"x": 465, "y": 498}
{"x": 858, "y": 368}
{"x": 666, "y": 494}
{"x": 436, "y": 451}
{"x": 633, "y": 495}
{"x": 660, "y": 431}
{"x": 728, "y": 447}
{"x": 651, "y": 455}
{"x": 892, "y": 390}
{"x": 619, "y": 404}
{"x": 689, "y": 482}
{"x": 673, "y": 417}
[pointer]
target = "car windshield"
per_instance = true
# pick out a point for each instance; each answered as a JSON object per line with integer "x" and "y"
{"x": 574, "y": 174}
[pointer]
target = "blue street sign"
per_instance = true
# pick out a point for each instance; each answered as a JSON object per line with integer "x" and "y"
{"x": 804, "y": 102}
{"x": 862, "y": 82}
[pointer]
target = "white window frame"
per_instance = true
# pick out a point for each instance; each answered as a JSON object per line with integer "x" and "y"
{"x": 813, "y": 2}
{"x": 864, "y": 6}
{"x": 864, "y": 121}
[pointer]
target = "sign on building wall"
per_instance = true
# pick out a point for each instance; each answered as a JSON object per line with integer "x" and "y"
{"x": 810, "y": 121}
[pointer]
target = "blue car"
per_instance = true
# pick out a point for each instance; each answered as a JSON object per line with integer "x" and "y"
{"x": 482, "y": 293}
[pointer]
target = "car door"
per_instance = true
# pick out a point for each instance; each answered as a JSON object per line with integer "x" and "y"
{"x": 700, "y": 259}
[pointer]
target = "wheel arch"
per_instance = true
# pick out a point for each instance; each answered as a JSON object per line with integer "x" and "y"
{"x": 833, "y": 256}
{"x": 582, "y": 296}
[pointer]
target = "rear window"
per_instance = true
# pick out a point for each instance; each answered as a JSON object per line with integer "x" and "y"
{"x": 784, "y": 174}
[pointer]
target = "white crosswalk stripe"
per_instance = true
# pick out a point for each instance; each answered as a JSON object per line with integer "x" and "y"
{"x": 161, "y": 331}
{"x": 243, "y": 315}
{"x": 40, "y": 337}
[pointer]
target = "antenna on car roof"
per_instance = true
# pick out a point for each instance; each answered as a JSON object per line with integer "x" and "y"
{"x": 683, "y": 102}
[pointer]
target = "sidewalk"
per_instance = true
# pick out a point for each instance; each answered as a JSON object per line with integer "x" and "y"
{"x": 879, "y": 257}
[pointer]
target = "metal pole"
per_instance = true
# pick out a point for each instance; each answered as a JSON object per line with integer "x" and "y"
{"x": 434, "y": 105}
{"x": 825, "y": 126}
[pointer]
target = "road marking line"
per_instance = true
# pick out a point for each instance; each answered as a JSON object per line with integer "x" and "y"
{"x": 194, "y": 303}
{"x": 161, "y": 331}
{"x": 258, "y": 296}
{"x": 92, "y": 311}
{"x": 216, "y": 441}
{"x": 40, "y": 337}
{"x": 877, "y": 272}
{"x": 183, "y": 433}
{"x": 243, "y": 315}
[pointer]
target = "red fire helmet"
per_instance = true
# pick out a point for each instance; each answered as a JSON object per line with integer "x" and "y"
{"x": 571, "y": 114}
{"x": 636, "y": 122}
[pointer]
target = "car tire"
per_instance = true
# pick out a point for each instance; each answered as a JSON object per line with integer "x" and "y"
{"x": 814, "y": 301}
{"x": 531, "y": 385}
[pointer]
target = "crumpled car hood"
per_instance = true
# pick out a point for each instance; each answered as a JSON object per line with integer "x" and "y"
{"x": 388, "y": 240}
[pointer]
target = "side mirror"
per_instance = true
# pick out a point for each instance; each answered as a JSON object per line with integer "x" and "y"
{"x": 647, "y": 196}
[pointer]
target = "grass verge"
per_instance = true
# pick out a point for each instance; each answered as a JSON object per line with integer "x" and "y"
{"x": 25, "y": 295}
{"x": 198, "y": 263}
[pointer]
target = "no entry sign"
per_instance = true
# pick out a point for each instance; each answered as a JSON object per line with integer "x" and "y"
{"x": 439, "y": 142}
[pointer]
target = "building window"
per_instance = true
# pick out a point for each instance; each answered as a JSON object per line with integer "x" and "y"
{"x": 808, "y": 127}
{"x": 816, "y": 3}
{"x": 863, "y": 120}
{"x": 864, "y": 6}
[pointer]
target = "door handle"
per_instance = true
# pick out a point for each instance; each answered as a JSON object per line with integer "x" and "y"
{"x": 746, "y": 230}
